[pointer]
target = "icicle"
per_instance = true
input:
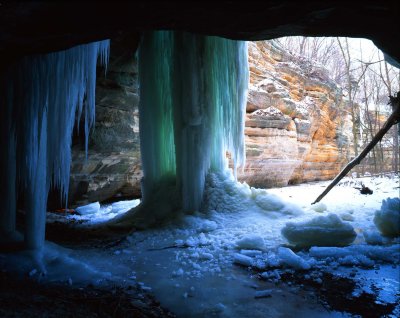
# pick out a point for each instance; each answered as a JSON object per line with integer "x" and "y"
{"x": 44, "y": 92}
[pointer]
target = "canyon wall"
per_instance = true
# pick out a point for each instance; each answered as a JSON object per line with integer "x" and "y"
{"x": 295, "y": 127}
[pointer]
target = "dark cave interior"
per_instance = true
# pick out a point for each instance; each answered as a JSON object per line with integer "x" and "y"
{"x": 38, "y": 27}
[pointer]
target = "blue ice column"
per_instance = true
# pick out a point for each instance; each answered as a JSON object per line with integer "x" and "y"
{"x": 193, "y": 92}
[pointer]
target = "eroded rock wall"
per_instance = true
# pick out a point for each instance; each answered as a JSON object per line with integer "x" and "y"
{"x": 296, "y": 127}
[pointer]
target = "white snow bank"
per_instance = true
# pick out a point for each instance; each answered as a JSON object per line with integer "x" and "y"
{"x": 291, "y": 259}
{"x": 387, "y": 219}
{"x": 91, "y": 208}
{"x": 327, "y": 230}
{"x": 251, "y": 242}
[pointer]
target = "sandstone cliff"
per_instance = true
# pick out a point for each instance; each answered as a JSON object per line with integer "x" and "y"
{"x": 296, "y": 130}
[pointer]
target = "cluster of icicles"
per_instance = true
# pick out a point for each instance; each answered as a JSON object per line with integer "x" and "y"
{"x": 193, "y": 92}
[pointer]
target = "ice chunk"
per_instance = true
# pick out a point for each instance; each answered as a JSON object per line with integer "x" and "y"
{"x": 242, "y": 260}
{"x": 291, "y": 259}
{"x": 327, "y": 230}
{"x": 319, "y": 207}
{"x": 251, "y": 242}
{"x": 91, "y": 208}
{"x": 387, "y": 219}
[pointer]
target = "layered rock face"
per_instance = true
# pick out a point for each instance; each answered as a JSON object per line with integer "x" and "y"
{"x": 296, "y": 130}
{"x": 112, "y": 169}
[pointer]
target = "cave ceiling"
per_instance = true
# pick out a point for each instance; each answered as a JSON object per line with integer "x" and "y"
{"x": 45, "y": 26}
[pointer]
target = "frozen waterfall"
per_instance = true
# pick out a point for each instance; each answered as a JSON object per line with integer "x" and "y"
{"x": 41, "y": 96}
{"x": 193, "y": 92}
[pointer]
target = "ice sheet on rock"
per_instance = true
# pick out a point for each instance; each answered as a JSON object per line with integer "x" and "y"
{"x": 387, "y": 219}
{"x": 327, "y": 230}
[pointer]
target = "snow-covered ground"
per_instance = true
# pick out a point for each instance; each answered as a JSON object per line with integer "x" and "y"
{"x": 231, "y": 259}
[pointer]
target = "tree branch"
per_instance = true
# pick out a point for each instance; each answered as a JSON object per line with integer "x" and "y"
{"x": 393, "y": 119}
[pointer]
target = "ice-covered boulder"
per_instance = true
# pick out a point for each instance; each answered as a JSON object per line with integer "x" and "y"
{"x": 91, "y": 208}
{"x": 387, "y": 219}
{"x": 327, "y": 230}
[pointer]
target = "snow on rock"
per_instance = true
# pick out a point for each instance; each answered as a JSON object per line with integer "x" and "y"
{"x": 288, "y": 257}
{"x": 251, "y": 242}
{"x": 387, "y": 219}
{"x": 91, "y": 208}
{"x": 319, "y": 207}
{"x": 327, "y": 230}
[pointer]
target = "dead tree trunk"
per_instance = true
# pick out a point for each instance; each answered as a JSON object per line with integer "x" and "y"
{"x": 393, "y": 119}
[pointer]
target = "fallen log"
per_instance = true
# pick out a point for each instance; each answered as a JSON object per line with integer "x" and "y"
{"x": 393, "y": 119}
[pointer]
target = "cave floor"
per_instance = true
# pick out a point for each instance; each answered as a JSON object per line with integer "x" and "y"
{"x": 188, "y": 267}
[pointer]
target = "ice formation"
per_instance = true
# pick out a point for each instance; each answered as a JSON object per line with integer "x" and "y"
{"x": 41, "y": 96}
{"x": 193, "y": 92}
{"x": 327, "y": 230}
{"x": 91, "y": 208}
{"x": 387, "y": 219}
